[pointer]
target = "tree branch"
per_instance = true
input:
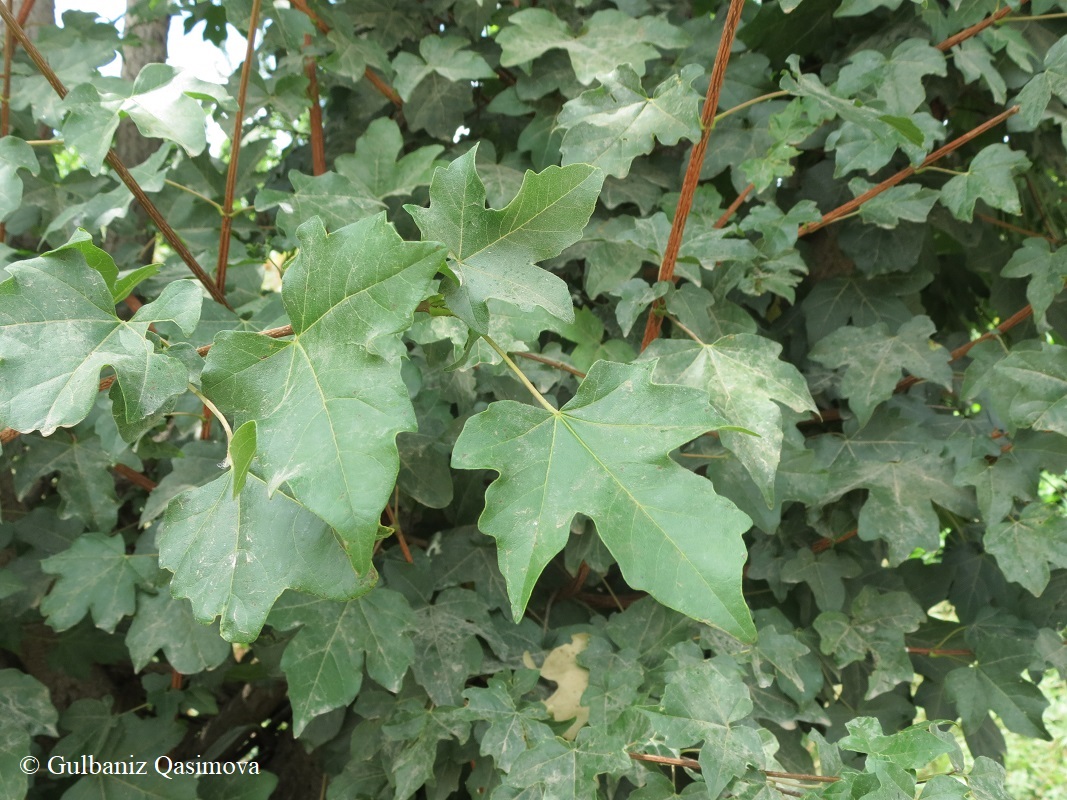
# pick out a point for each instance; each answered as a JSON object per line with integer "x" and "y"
{"x": 976, "y": 29}
{"x": 696, "y": 160}
{"x": 235, "y": 153}
{"x": 852, "y": 205}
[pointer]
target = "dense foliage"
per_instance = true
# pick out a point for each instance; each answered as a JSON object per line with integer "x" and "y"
{"x": 463, "y": 429}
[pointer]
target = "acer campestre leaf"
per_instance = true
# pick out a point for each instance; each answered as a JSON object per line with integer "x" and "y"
{"x": 15, "y": 154}
{"x": 27, "y": 711}
{"x": 329, "y": 403}
{"x": 613, "y": 124}
{"x": 1025, "y": 546}
{"x": 376, "y": 165}
{"x": 605, "y": 455}
{"x": 94, "y": 575}
{"x": 165, "y": 623}
{"x": 608, "y": 39}
{"x": 873, "y": 360}
{"x": 234, "y": 556}
{"x": 746, "y": 380}
{"x": 990, "y": 177}
{"x": 1047, "y": 270}
{"x": 58, "y": 329}
{"x": 493, "y": 252}
{"x": 324, "y": 661}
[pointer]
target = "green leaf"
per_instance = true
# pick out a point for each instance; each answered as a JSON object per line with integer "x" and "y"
{"x": 615, "y": 123}
{"x": 746, "y": 381}
{"x": 446, "y": 642}
{"x": 1024, "y": 546}
{"x": 876, "y": 625}
{"x": 85, "y": 485}
{"x": 235, "y": 556}
{"x": 323, "y": 663}
{"x": 1036, "y": 95}
{"x": 991, "y": 178}
{"x": 513, "y": 727}
{"x": 444, "y": 55}
{"x": 493, "y": 253}
{"x": 1047, "y": 270}
{"x": 329, "y": 403}
{"x": 58, "y": 329}
{"x": 609, "y": 38}
{"x": 601, "y": 457}
{"x": 15, "y": 154}
{"x": 1032, "y": 387}
{"x": 909, "y": 202}
{"x": 554, "y": 770}
{"x": 702, "y": 702}
{"x": 95, "y": 575}
{"x": 335, "y": 199}
{"x": 164, "y": 623}
{"x": 242, "y": 451}
{"x": 375, "y": 163}
{"x": 873, "y": 360}
{"x": 27, "y": 711}
{"x": 164, "y": 103}
{"x": 911, "y": 748}
{"x": 973, "y": 59}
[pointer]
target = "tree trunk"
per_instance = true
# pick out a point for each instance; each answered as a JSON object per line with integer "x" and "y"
{"x": 144, "y": 42}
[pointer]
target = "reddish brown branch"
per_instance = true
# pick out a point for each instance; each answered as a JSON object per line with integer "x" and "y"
{"x": 405, "y": 551}
{"x": 731, "y": 209}
{"x": 826, "y": 542}
{"x": 938, "y": 651}
{"x": 24, "y": 12}
{"x": 1013, "y": 228}
{"x": 853, "y": 204}
{"x": 235, "y": 153}
{"x": 692, "y": 763}
{"x": 318, "y": 141}
{"x": 696, "y": 161}
{"x": 116, "y": 164}
{"x": 135, "y": 477}
{"x": 550, "y": 362}
{"x": 977, "y": 28}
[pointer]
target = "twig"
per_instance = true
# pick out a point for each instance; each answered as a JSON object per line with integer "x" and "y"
{"x": 395, "y": 523}
{"x": 135, "y": 477}
{"x": 853, "y": 204}
{"x": 235, "y": 153}
{"x": 273, "y": 333}
{"x": 731, "y": 209}
{"x": 696, "y": 161}
{"x": 692, "y": 763}
{"x": 116, "y": 164}
{"x": 938, "y": 651}
{"x": 24, "y": 12}
{"x": 976, "y": 29}
{"x": 318, "y": 141}
{"x": 826, "y": 542}
{"x": 551, "y": 362}
{"x": 742, "y": 106}
{"x": 1013, "y": 228}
